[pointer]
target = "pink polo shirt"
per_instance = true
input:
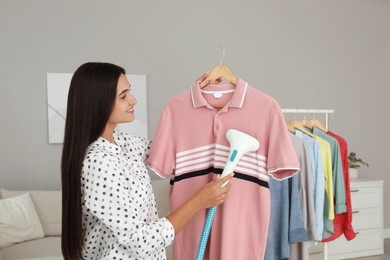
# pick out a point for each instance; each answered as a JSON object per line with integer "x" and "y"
{"x": 190, "y": 146}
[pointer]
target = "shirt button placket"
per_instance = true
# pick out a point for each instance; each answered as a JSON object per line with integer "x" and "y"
{"x": 215, "y": 130}
{"x": 216, "y": 126}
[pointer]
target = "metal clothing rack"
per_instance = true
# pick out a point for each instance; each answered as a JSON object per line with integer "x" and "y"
{"x": 314, "y": 111}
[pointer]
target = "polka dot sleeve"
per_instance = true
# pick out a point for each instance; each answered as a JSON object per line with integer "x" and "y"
{"x": 123, "y": 202}
{"x": 148, "y": 144}
{"x": 144, "y": 144}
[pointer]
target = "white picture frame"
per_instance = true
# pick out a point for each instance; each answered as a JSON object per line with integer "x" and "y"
{"x": 57, "y": 94}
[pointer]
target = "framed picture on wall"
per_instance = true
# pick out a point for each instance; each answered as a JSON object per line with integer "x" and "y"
{"x": 57, "y": 94}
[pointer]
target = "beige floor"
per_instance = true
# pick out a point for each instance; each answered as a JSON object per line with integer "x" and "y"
{"x": 385, "y": 256}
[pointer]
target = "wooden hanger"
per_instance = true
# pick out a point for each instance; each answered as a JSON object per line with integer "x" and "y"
{"x": 290, "y": 128}
{"x": 218, "y": 105}
{"x": 306, "y": 123}
{"x": 219, "y": 73}
{"x": 313, "y": 123}
{"x": 295, "y": 124}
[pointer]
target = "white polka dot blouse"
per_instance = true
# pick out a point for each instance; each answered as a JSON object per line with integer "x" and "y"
{"x": 120, "y": 218}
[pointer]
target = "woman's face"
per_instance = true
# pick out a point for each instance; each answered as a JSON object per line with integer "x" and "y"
{"x": 123, "y": 111}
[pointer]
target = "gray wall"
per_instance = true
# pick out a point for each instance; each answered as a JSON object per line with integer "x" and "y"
{"x": 311, "y": 54}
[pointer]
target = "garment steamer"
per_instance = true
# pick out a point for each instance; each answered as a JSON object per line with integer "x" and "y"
{"x": 240, "y": 144}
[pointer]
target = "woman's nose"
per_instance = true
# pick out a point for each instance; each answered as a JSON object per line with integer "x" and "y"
{"x": 133, "y": 100}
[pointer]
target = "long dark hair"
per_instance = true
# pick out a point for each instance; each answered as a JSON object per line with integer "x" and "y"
{"x": 91, "y": 99}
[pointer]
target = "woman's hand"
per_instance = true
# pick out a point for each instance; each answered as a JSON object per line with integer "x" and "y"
{"x": 203, "y": 77}
{"x": 206, "y": 81}
{"x": 207, "y": 196}
{"x": 212, "y": 194}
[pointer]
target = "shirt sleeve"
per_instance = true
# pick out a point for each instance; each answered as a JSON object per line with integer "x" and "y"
{"x": 281, "y": 158}
{"x": 144, "y": 145}
{"x": 112, "y": 199}
{"x": 146, "y": 153}
{"x": 319, "y": 191}
{"x": 306, "y": 173}
{"x": 329, "y": 193}
{"x": 338, "y": 181}
{"x": 297, "y": 232}
{"x": 162, "y": 153}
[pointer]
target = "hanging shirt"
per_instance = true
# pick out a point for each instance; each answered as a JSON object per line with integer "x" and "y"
{"x": 190, "y": 143}
{"x": 305, "y": 184}
{"x": 328, "y": 198}
{"x": 343, "y": 221}
{"x": 337, "y": 178}
{"x": 306, "y": 187}
{"x": 318, "y": 176}
{"x": 337, "y": 171}
{"x": 119, "y": 212}
{"x": 286, "y": 222}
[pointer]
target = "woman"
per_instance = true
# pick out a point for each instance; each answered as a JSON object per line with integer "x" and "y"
{"x": 108, "y": 206}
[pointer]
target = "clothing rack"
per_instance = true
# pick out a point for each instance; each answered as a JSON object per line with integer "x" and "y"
{"x": 311, "y": 111}
{"x": 314, "y": 111}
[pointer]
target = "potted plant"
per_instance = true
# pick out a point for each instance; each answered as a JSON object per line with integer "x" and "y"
{"x": 354, "y": 164}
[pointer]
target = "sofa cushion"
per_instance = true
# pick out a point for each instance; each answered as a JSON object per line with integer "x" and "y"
{"x": 18, "y": 220}
{"x": 48, "y": 207}
{"x": 47, "y": 247}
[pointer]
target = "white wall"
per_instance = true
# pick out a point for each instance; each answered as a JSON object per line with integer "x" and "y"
{"x": 306, "y": 54}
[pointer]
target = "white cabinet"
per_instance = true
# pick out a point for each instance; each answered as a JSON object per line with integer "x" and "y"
{"x": 367, "y": 221}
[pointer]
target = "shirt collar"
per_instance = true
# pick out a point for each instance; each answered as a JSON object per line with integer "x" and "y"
{"x": 236, "y": 101}
{"x": 318, "y": 131}
{"x": 303, "y": 135}
{"x": 114, "y": 148}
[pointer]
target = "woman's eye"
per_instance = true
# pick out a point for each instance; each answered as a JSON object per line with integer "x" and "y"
{"x": 123, "y": 97}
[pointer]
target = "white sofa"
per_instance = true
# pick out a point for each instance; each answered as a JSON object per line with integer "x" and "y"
{"x": 48, "y": 208}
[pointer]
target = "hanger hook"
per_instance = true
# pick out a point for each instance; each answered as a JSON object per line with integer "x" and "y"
{"x": 223, "y": 54}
